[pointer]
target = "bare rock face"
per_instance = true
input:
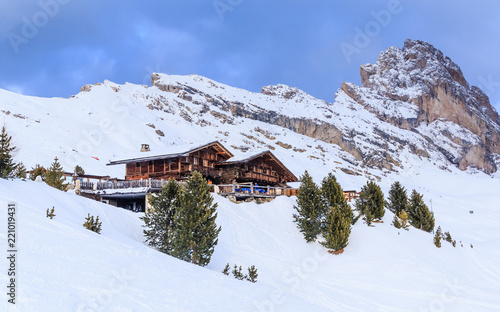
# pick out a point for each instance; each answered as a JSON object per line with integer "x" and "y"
{"x": 421, "y": 75}
{"x": 413, "y": 100}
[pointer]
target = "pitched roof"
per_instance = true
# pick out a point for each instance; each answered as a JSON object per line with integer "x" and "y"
{"x": 284, "y": 169}
{"x": 175, "y": 151}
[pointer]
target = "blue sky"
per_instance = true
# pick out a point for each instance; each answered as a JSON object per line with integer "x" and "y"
{"x": 54, "y": 47}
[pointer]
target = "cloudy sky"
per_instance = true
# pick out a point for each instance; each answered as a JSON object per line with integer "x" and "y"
{"x": 54, "y": 47}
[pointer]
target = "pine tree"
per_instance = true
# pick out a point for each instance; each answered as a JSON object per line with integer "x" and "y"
{"x": 403, "y": 219}
{"x": 252, "y": 274}
{"x": 309, "y": 208}
{"x": 51, "y": 213}
{"x": 333, "y": 196}
{"x": 370, "y": 202}
{"x": 79, "y": 170}
{"x": 419, "y": 214}
{"x": 337, "y": 231}
{"x": 226, "y": 269}
{"x": 237, "y": 273}
{"x": 7, "y": 150}
{"x": 447, "y": 237}
{"x": 437, "y": 237}
{"x": 93, "y": 225}
{"x": 20, "y": 171}
{"x": 396, "y": 222}
{"x": 55, "y": 176}
{"x": 398, "y": 199}
{"x": 37, "y": 171}
{"x": 195, "y": 229}
{"x": 159, "y": 221}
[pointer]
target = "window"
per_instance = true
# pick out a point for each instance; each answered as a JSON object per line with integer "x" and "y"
{"x": 205, "y": 163}
{"x": 195, "y": 160}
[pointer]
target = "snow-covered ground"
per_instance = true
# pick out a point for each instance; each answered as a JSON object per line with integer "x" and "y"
{"x": 64, "y": 267}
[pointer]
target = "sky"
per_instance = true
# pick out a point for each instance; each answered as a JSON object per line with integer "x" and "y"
{"x": 52, "y": 48}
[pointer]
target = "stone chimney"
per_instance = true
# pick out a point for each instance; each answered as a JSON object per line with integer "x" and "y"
{"x": 144, "y": 147}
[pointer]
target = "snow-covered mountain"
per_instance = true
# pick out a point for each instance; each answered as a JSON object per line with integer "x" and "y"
{"x": 415, "y": 120}
{"x": 414, "y": 107}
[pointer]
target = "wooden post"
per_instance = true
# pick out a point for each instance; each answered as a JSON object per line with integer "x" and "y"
{"x": 268, "y": 189}
{"x": 77, "y": 185}
{"x": 234, "y": 188}
{"x": 251, "y": 187}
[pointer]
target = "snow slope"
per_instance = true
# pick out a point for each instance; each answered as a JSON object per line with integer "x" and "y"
{"x": 64, "y": 267}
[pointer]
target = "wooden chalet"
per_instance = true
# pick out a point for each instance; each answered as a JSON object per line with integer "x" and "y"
{"x": 263, "y": 168}
{"x": 178, "y": 165}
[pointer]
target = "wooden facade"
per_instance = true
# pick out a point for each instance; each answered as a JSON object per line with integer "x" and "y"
{"x": 211, "y": 160}
{"x": 263, "y": 168}
{"x": 177, "y": 166}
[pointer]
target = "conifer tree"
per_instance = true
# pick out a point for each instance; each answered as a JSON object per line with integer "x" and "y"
{"x": 7, "y": 150}
{"x": 195, "y": 229}
{"x": 447, "y": 237}
{"x": 55, "y": 176}
{"x": 237, "y": 273}
{"x": 159, "y": 221}
{"x": 419, "y": 214}
{"x": 437, "y": 237}
{"x": 93, "y": 225}
{"x": 20, "y": 171}
{"x": 252, "y": 274}
{"x": 333, "y": 196}
{"x": 37, "y": 171}
{"x": 370, "y": 202}
{"x": 226, "y": 269}
{"x": 396, "y": 222}
{"x": 51, "y": 213}
{"x": 337, "y": 231}
{"x": 79, "y": 170}
{"x": 398, "y": 199}
{"x": 403, "y": 219}
{"x": 309, "y": 208}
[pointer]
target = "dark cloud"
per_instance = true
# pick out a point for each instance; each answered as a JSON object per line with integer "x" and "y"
{"x": 243, "y": 43}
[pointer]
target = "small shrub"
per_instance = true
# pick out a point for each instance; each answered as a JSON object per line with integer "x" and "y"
{"x": 237, "y": 273}
{"x": 252, "y": 274}
{"x": 437, "y": 237}
{"x": 51, "y": 213}
{"x": 226, "y": 269}
{"x": 93, "y": 225}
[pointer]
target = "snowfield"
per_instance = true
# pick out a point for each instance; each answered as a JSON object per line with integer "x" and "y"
{"x": 64, "y": 267}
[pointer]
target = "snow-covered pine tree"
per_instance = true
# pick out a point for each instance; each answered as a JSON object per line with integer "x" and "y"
{"x": 437, "y": 237}
{"x": 55, "y": 176}
{"x": 398, "y": 198}
{"x": 309, "y": 208}
{"x": 333, "y": 196}
{"x": 337, "y": 230}
{"x": 370, "y": 202}
{"x": 419, "y": 214}
{"x": 7, "y": 150}
{"x": 38, "y": 170}
{"x": 159, "y": 221}
{"x": 195, "y": 229}
{"x": 252, "y": 274}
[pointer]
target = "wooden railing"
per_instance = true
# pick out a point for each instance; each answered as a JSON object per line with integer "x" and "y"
{"x": 245, "y": 189}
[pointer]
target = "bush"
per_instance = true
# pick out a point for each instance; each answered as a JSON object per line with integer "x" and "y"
{"x": 37, "y": 171}
{"x": 51, "y": 213}
{"x": 93, "y": 225}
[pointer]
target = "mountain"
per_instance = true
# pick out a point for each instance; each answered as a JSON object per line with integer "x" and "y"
{"x": 414, "y": 108}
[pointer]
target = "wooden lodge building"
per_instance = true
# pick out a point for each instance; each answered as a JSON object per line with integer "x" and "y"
{"x": 147, "y": 173}
{"x": 212, "y": 161}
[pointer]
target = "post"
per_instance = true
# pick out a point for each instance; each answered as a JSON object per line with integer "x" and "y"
{"x": 95, "y": 186}
{"x": 251, "y": 187}
{"x": 77, "y": 185}
{"x": 268, "y": 189}
{"x": 234, "y": 188}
